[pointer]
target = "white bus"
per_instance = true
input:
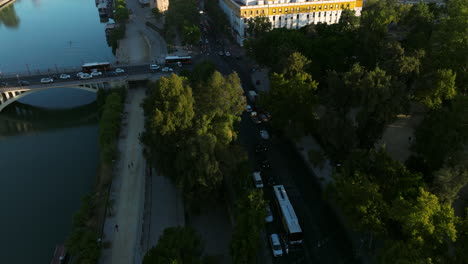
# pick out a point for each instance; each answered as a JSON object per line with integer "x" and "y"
{"x": 288, "y": 216}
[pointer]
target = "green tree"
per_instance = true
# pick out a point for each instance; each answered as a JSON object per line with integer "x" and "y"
{"x": 250, "y": 221}
{"x": 436, "y": 88}
{"x": 449, "y": 181}
{"x": 191, "y": 34}
{"x": 294, "y": 87}
{"x": 442, "y": 135}
{"x": 157, "y": 14}
{"x": 181, "y": 245}
{"x": 257, "y": 26}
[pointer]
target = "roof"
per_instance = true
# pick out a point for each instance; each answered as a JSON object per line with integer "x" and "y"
{"x": 287, "y": 209}
{"x": 177, "y": 57}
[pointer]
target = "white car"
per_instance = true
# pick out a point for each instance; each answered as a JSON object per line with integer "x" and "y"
{"x": 179, "y": 64}
{"x": 257, "y": 179}
{"x": 249, "y": 108}
{"x": 47, "y": 80}
{"x": 228, "y": 54}
{"x": 119, "y": 70}
{"x": 154, "y": 67}
{"x": 96, "y": 73}
{"x": 64, "y": 76}
{"x": 269, "y": 216}
{"x": 79, "y": 74}
{"x": 167, "y": 69}
{"x": 85, "y": 76}
{"x": 264, "y": 134}
{"x": 276, "y": 245}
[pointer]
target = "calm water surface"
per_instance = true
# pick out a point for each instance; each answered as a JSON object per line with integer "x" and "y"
{"x": 48, "y": 141}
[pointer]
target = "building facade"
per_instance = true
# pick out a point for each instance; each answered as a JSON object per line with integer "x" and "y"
{"x": 162, "y": 5}
{"x": 291, "y": 14}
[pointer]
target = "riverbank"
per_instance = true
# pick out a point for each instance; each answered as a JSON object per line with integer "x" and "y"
{"x": 5, "y": 2}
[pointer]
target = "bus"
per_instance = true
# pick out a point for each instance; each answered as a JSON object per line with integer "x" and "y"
{"x": 99, "y": 66}
{"x": 176, "y": 59}
{"x": 288, "y": 216}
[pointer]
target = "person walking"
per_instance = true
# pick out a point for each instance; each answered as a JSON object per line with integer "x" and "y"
{"x": 117, "y": 227}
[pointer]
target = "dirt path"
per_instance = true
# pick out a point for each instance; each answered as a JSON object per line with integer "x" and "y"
{"x": 127, "y": 192}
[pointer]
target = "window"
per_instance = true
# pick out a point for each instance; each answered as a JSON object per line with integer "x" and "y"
{"x": 263, "y": 11}
{"x": 298, "y": 9}
{"x": 336, "y": 6}
{"x": 342, "y": 6}
{"x": 325, "y": 7}
{"x": 297, "y": 16}
{"x": 320, "y": 7}
{"x": 307, "y": 16}
{"x": 274, "y": 11}
{"x": 347, "y": 5}
{"x": 308, "y": 8}
{"x": 285, "y": 10}
{"x": 251, "y": 12}
{"x": 313, "y": 14}
{"x": 314, "y": 8}
{"x": 331, "y": 6}
{"x": 319, "y": 14}
{"x": 274, "y": 18}
{"x": 256, "y": 12}
{"x": 245, "y": 13}
{"x": 280, "y": 11}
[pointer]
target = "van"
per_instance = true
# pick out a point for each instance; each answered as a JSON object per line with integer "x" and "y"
{"x": 257, "y": 178}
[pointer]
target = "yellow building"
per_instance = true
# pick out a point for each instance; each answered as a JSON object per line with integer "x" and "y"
{"x": 162, "y": 5}
{"x": 285, "y": 13}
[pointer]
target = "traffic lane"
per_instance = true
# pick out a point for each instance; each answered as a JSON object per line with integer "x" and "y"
{"x": 324, "y": 236}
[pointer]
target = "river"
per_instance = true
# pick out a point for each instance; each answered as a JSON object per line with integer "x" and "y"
{"x": 48, "y": 140}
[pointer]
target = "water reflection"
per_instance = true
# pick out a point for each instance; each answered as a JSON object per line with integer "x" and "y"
{"x": 8, "y": 16}
{"x": 19, "y": 118}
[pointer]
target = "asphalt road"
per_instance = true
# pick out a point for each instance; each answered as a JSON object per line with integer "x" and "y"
{"x": 325, "y": 240}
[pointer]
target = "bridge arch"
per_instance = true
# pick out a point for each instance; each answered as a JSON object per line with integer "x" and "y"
{"x": 10, "y": 95}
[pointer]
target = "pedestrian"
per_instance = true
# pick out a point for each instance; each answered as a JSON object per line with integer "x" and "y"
{"x": 117, "y": 227}
{"x": 129, "y": 166}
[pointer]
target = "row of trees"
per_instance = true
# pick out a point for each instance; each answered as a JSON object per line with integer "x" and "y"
{"x": 347, "y": 82}
{"x": 183, "y": 16}
{"x": 121, "y": 16}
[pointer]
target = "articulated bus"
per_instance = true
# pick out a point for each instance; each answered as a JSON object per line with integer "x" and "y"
{"x": 176, "y": 59}
{"x": 288, "y": 216}
{"x": 99, "y": 66}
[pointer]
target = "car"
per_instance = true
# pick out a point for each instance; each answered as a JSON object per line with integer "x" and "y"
{"x": 47, "y": 80}
{"x": 257, "y": 179}
{"x": 96, "y": 73}
{"x": 220, "y": 53}
{"x": 264, "y": 134}
{"x": 269, "y": 214}
{"x": 276, "y": 245}
{"x": 179, "y": 64}
{"x": 85, "y": 76}
{"x": 265, "y": 165}
{"x": 261, "y": 148}
{"x": 78, "y": 75}
{"x": 154, "y": 67}
{"x": 119, "y": 70}
{"x": 254, "y": 117}
{"x": 112, "y": 73}
{"x": 64, "y": 76}
{"x": 248, "y": 108}
{"x": 228, "y": 54}
{"x": 23, "y": 83}
{"x": 264, "y": 118}
{"x": 167, "y": 69}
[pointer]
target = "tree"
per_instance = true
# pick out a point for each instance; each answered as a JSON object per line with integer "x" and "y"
{"x": 181, "y": 245}
{"x": 250, "y": 221}
{"x": 433, "y": 90}
{"x": 443, "y": 134}
{"x": 449, "y": 181}
{"x": 157, "y": 14}
{"x": 294, "y": 87}
{"x": 257, "y": 26}
{"x": 191, "y": 34}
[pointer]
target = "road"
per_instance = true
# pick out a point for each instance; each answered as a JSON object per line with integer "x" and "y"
{"x": 325, "y": 240}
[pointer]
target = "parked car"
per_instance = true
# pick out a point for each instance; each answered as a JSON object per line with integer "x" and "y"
{"x": 264, "y": 118}
{"x": 264, "y": 134}
{"x": 228, "y": 54}
{"x": 23, "y": 83}
{"x": 248, "y": 108}
{"x": 47, "y": 80}
{"x": 261, "y": 148}
{"x": 269, "y": 214}
{"x": 276, "y": 245}
{"x": 220, "y": 53}
{"x": 179, "y": 64}
{"x": 257, "y": 179}
{"x": 167, "y": 69}
{"x": 254, "y": 117}
{"x": 64, "y": 76}
{"x": 265, "y": 165}
{"x": 85, "y": 76}
{"x": 119, "y": 70}
{"x": 154, "y": 67}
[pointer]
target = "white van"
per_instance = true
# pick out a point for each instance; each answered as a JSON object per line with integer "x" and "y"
{"x": 257, "y": 180}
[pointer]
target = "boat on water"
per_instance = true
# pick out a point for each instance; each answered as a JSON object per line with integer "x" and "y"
{"x": 60, "y": 255}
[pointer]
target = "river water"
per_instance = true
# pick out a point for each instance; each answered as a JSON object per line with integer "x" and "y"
{"x": 48, "y": 140}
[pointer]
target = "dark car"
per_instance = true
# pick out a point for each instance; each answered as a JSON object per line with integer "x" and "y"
{"x": 261, "y": 148}
{"x": 265, "y": 165}
{"x": 23, "y": 83}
